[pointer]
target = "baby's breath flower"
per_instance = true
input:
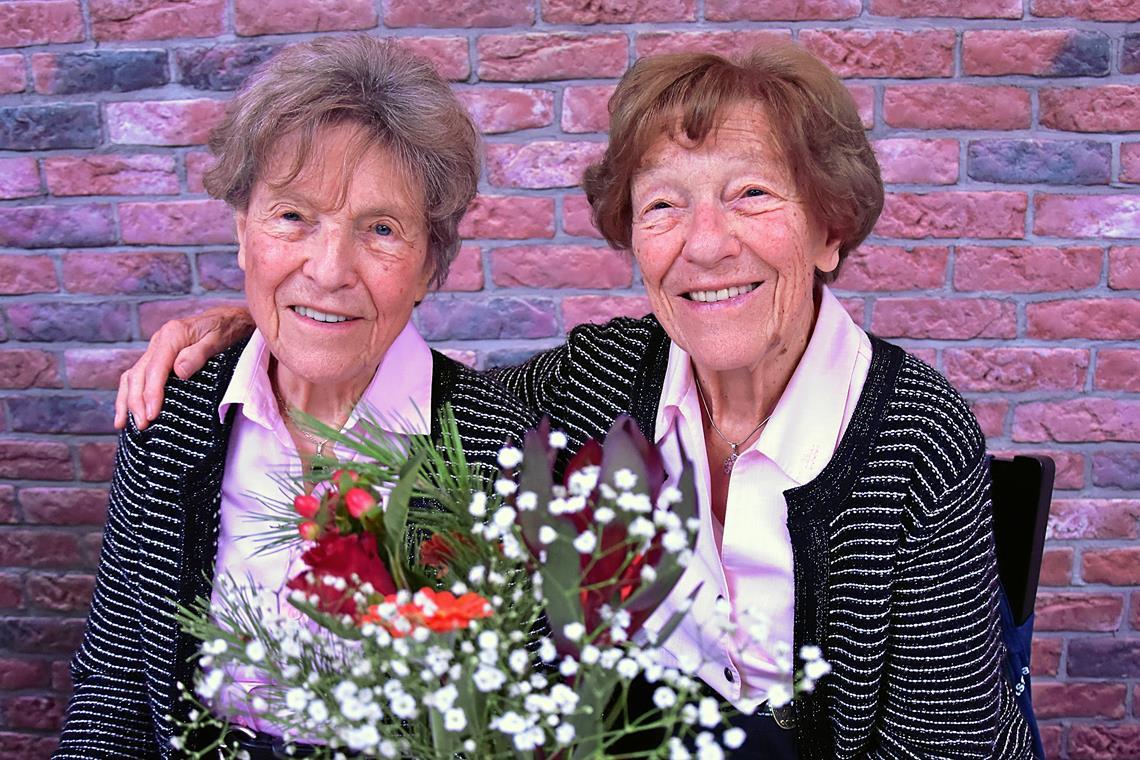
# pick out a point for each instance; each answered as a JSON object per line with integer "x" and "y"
{"x": 627, "y": 668}
{"x": 664, "y": 697}
{"x": 709, "y": 712}
{"x": 573, "y": 631}
{"x": 255, "y": 651}
{"x": 810, "y": 652}
{"x": 505, "y": 487}
{"x": 816, "y": 669}
{"x": 509, "y": 457}
{"x": 209, "y": 685}
{"x": 586, "y": 542}
{"x": 454, "y": 719}
{"x": 564, "y": 734}
{"x": 733, "y": 738}
{"x": 488, "y": 640}
{"x": 642, "y": 528}
{"x": 505, "y": 517}
{"x": 604, "y": 515}
{"x": 546, "y": 650}
{"x": 625, "y": 479}
{"x": 568, "y": 667}
{"x": 547, "y": 535}
{"x": 488, "y": 679}
{"x": 519, "y": 661}
{"x": 648, "y": 574}
{"x": 558, "y": 439}
{"x": 403, "y": 705}
{"x": 509, "y": 723}
{"x": 318, "y": 712}
{"x": 478, "y": 506}
{"x": 296, "y": 699}
{"x": 590, "y": 654}
{"x": 527, "y": 501}
{"x": 476, "y": 575}
{"x": 779, "y": 695}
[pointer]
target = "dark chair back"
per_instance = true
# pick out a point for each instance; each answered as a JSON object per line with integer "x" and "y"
{"x": 1022, "y": 490}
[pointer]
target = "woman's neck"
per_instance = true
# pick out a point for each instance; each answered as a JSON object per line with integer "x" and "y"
{"x": 331, "y": 403}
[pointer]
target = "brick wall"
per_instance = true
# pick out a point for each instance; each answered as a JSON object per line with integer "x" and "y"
{"x": 1008, "y": 254}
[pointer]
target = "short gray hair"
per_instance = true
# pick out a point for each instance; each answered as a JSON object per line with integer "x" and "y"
{"x": 395, "y": 96}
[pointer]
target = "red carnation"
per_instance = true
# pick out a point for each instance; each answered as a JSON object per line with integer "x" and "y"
{"x": 338, "y": 556}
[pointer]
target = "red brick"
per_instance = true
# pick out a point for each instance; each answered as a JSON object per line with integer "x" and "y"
{"x": 889, "y": 267}
{"x": 154, "y": 314}
{"x": 1078, "y": 700}
{"x": 944, "y": 318}
{"x": 1135, "y": 622}
{"x": 177, "y": 223}
{"x": 1078, "y": 612}
{"x": 21, "y": 547}
{"x": 1117, "y": 369}
{"x": 19, "y": 178}
{"x": 508, "y": 217}
{"x": 726, "y": 44}
{"x": 883, "y": 53}
{"x": 466, "y": 272}
{"x": 98, "y": 367}
{"x": 197, "y": 164}
{"x": 168, "y": 122}
{"x": 1093, "y": 10}
{"x": 20, "y": 275}
{"x": 96, "y": 461}
{"x": 781, "y": 10}
{"x": 1107, "y": 108}
{"x": 1057, "y": 568}
{"x": 23, "y": 674}
{"x": 1052, "y": 739}
{"x": 577, "y": 310}
{"x": 1077, "y": 420}
{"x": 1109, "y": 742}
{"x": 1130, "y": 162}
{"x": 449, "y": 55}
{"x": 576, "y": 217}
{"x": 61, "y": 676}
{"x": 1093, "y": 519}
{"x": 562, "y": 55}
{"x": 1086, "y": 216}
{"x": 23, "y": 746}
{"x": 864, "y": 96}
{"x": 956, "y": 106}
{"x": 1046, "y": 52}
{"x": 458, "y": 13}
{"x": 64, "y": 506}
{"x": 1115, "y": 567}
{"x": 947, "y": 8}
{"x": 7, "y": 505}
{"x": 11, "y": 593}
{"x": 40, "y": 22}
{"x": 25, "y": 368}
{"x": 1124, "y": 268}
{"x": 508, "y": 109}
{"x": 57, "y": 226}
{"x": 560, "y": 266}
{"x": 617, "y": 11}
{"x": 155, "y": 19}
{"x": 953, "y": 214}
{"x": 541, "y": 163}
{"x": 1016, "y": 369}
{"x": 35, "y": 460}
{"x": 1046, "y": 657}
{"x": 856, "y": 308}
{"x": 1027, "y": 269}
{"x": 254, "y": 17}
{"x": 59, "y": 593}
{"x": 134, "y": 272}
{"x": 585, "y": 109}
{"x": 13, "y": 74}
{"x": 1098, "y": 318}
{"x": 44, "y": 713}
{"x": 138, "y": 174}
{"x": 912, "y": 161}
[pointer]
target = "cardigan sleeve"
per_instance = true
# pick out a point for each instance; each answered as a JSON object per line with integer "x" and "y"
{"x": 108, "y": 715}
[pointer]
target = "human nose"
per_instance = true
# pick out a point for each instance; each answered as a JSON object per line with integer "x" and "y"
{"x": 709, "y": 237}
{"x": 331, "y": 263}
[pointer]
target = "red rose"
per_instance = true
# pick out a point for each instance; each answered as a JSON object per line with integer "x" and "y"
{"x": 344, "y": 557}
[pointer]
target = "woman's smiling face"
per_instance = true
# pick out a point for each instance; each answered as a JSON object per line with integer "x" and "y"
{"x": 727, "y": 252}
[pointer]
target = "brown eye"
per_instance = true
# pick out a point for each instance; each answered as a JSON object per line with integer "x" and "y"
{"x": 754, "y": 192}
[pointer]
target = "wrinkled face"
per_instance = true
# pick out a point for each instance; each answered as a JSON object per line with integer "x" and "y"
{"x": 335, "y": 259}
{"x": 727, "y": 252}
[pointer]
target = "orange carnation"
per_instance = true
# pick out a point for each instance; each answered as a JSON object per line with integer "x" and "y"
{"x": 441, "y": 611}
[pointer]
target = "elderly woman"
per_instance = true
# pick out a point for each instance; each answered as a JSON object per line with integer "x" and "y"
{"x": 348, "y": 164}
{"x": 843, "y": 484}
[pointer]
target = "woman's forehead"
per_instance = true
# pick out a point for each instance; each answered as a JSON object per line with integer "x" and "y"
{"x": 741, "y": 132}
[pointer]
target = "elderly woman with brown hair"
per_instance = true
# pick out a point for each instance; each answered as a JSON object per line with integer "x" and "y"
{"x": 348, "y": 164}
{"x": 843, "y": 484}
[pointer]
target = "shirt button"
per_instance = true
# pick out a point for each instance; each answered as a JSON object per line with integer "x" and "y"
{"x": 728, "y": 675}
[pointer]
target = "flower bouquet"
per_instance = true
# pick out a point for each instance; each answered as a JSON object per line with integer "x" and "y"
{"x": 445, "y": 614}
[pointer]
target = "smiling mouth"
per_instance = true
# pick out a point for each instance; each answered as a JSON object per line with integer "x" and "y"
{"x": 713, "y": 296}
{"x": 320, "y": 316}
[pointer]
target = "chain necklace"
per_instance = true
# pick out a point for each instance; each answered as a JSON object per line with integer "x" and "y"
{"x": 319, "y": 443}
{"x": 729, "y": 460}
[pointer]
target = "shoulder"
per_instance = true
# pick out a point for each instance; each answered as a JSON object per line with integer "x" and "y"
{"x": 486, "y": 413}
{"x": 630, "y": 337}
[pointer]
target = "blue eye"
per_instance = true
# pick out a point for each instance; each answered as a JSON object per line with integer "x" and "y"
{"x": 659, "y": 205}
{"x": 382, "y": 229}
{"x": 754, "y": 192}
{"x": 291, "y": 216}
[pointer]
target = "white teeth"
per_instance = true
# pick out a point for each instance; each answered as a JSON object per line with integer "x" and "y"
{"x": 712, "y": 296}
{"x": 319, "y": 316}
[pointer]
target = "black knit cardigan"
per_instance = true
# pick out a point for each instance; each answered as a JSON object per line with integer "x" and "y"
{"x": 160, "y": 543}
{"x": 893, "y": 556}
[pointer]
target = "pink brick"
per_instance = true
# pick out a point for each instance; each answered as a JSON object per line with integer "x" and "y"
{"x": 540, "y": 164}
{"x": 1118, "y": 369}
{"x": 864, "y": 97}
{"x": 154, "y": 314}
{"x": 991, "y": 416}
{"x": 1130, "y": 162}
{"x": 947, "y": 8}
{"x": 466, "y": 271}
{"x": 19, "y": 178}
{"x": 35, "y": 460}
{"x": 449, "y": 55}
{"x": 576, "y": 217}
{"x": 1070, "y": 467}
{"x": 577, "y": 310}
{"x": 1029, "y": 269}
{"x": 98, "y": 367}
{"x": 944, "y": 318}
{"x": 1124, "y": 267}
{"x": 97, "y": 460}
{"x": 13, "y": 76}
{"x": 156, "y": 19}
{"x": 781, "y": 10}
{"x": 20, "y": 275}
{"x": 1096, "y": 318}
{"x": 956, "y": 106}
{"x": 508, "y": 217}
{"x": 28, "y": 369}
{"x": 856, "y": 308}
{"x": 1078, "y": 700}
{"x": 994, "y": 52}
{"x": 562, "y": 55}
{"x": 1106, "y": 742}
{"x": 254, "y": 17}
{"x": 1093, "y": 10}
{"x": 883, "y": 53}
{"x": 1078, "y": 612}
{"x": 585, "y": 109}
{"x": 617, "y": 11}
{"x": 1114, "y": 567}
{"x": 40, "y": 22}
{"x": 197, "y": 164}
{"x": 1091, "y": 216}
{"x": 922, "y": 162}
{"x": 170, "y": 122}
{"x": 728, "y": 44}
{"x": 1077, "y": 420}
{"x": 953, "y": 214}
{"x": 1093, "y": 519}
{"x": 1108, "y": 108}
{"x": 509, "y": 109}
{"x": 64, "y": 506}
{"x": 1056, "y": 570}
{"x": 118, "y": 273}
{"x": 177, "y": 223}
{"x": 889, "y": 267}
{"x": 1016, "y": 369}
{"x": 560, "y": 266}
{"x": 137, "y": 174}
{"x": 444, "y": 13}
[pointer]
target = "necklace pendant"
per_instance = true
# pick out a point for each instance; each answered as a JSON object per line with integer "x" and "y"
{"x": 730, "y": 460}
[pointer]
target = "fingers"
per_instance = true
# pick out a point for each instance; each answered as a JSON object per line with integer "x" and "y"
{"x": 121, "y": 403}
{"x": 211, "y": 333}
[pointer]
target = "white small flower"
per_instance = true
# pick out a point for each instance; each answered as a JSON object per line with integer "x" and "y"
{"x": 648, "y": 574}
{"x": 547, "y": 535}
{"x": 591, "y": 654}
{"x": 664, "y": 697}
{"x": 296, "y": 699}
{"x": 454, "y": 719}
{"x": 568, "y": 667}
{"x": 816, "y": 669}
{"x": 573, "y": 631}
{"x": 488, "y": 640}
{"x": 675, "y": 541}
{"x": 779, "y": 695}
{"x": 208, "y": 686}
{"x": 505, "y": 517}
{"x": 519, "y": 661}
{"x": 443, "y": 699}
{"x": 488, "y": 679}
{"x": 217, "y": 646}
{"x": 677, "y": 750}
{"x": 558, "y": 440}
{"x": 586, "y": 542}
{"x": 505, "y": 487}
{"x": 627, "y": 668}
{"x": 733, "y": 738}
{"x": 564, "y": 734}
{"x": 670, "y": 495}
{"x": 708, "y": 712}
{"x": 604, "y": 515}
{"x": 810, "y": 652}
{"x": 710, "y": 751}
{"x": 625, "y": 479}
{"x": 403, "y": 705}
{"x": 318, "y": 712}
{"x": 509, "y": 723}
{"x": 255, "y": 651}
{"x": 509, "y": 457}
{"x": 582, "y": 482}
{"x": 634, "y": 502}
{"x": 478, "y": 506}
{"x": 476, "y": 574}
{"x": 527, "y": 501}
{"x": 642, "y": 528}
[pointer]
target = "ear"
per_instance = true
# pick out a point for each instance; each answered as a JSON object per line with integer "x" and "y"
{"x": 828, "y": 257}
{"x": 239, "y": 227}
{"x": 423, "y": 284}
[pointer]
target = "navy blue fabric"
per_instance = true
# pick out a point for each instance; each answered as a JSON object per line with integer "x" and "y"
{"x": 1018, "y": 644}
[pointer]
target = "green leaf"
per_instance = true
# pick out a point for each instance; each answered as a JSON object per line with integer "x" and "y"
{"x": 396, "y": 519}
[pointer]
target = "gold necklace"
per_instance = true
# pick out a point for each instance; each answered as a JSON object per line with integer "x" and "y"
{"x": 319, "y": 443}
{"x": 733, "y": 455}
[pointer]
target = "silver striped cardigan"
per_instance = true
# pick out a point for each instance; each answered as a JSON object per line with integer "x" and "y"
{"x": 159, "y": 546}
